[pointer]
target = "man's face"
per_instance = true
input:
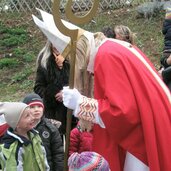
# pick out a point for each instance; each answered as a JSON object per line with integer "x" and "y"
{"x": 26, "y": 121}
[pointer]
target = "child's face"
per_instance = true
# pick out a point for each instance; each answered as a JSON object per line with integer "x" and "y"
{"x": 26, "y": 121}
{"x": 37, "y": 112}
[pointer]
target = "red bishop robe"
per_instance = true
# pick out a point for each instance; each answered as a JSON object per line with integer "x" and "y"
{"x": 134, "y": 107}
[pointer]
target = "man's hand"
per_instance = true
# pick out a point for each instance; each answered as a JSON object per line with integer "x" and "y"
{"x": 84, "y": 108}
{"x": 71, "y": 98}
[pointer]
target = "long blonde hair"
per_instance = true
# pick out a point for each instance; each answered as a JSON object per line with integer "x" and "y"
{"x": 44, "y": 54}
{"x": 124, "y": 34}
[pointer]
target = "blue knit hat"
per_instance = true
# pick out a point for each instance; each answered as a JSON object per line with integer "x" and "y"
{"x": 87, "y": 161}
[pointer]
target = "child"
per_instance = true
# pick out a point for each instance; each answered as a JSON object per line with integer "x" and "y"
{"x": 87, "y": 161}
{"x": 120, "y": 32}
{"x": 166, "y": 30}
{"x": 108, "y": 32}
{"x": 124, "y": 33}
{"x": 48, "y": 132}
{"x": 166, "y": 58}
{"x": 80, "y": 140}
{"x": 22, "y": 147}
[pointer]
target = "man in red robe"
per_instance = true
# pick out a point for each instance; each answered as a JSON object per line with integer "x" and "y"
{"x": 131, "y": 109}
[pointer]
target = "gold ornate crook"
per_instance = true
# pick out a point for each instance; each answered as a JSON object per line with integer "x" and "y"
{"x": 61, "y": 27}
{"x": 73, "y": 35}
{"x": 82, "y": 19}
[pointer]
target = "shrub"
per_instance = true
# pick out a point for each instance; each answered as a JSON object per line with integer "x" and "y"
{"x": 28, "y": 57}
{"x": 8, "y": 62}
{"x": 19, "y": 52}
{"x": 20, "y": 76}
{"x": 13, "y": 40}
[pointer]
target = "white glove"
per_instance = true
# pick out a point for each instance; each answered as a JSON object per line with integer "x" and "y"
{"x": 84, "y": 108}
{"x": 71, "y": 98}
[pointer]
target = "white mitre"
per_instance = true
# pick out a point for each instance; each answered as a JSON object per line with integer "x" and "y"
{"x": 48, "y": 27}
{"x": 58, "y": 39}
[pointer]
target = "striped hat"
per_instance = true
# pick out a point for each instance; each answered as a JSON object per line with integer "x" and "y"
{"x": 168, "y": 13}
{"x": 87, "y": 161}
{"x": 33, "y": 99}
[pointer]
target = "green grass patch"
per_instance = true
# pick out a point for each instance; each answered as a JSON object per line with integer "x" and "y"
{"x": 29, "y": 57}
{"x": 21, "y": 76}
{"x": 13, "y": 40}
{"x": 19, "y": 51}
{"x": 8, "y": 63}
{"x": 12, "y": 36}
{"x": 27, "y": 84}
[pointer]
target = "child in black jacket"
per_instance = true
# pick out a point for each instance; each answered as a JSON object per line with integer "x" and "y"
{"x": 48, "y": 132}
{"x": 167, "y": 39}
{"x": 166, "y": 58}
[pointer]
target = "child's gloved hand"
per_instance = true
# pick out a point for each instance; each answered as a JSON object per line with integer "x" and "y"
{"x": 71, "y": 98}
{"x": 55, "y": 122}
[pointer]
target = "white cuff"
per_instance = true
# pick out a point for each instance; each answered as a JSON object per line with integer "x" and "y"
{"x": 87, "y": 109}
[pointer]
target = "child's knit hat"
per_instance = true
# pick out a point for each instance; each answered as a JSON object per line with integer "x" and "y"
{"x": 12, "y": 112}
{"x": 168, "y": 13}
{"x": 87, "y": 161}
{"x": 33, "y": 99}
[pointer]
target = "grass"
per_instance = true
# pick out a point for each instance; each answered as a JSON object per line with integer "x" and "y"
{"x": 21, "y": 42}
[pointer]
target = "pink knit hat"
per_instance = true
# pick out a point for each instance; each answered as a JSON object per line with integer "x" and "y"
{"x": 87, "y": 161}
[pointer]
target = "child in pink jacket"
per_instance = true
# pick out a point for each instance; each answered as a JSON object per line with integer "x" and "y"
{"x": 80, "y": 140}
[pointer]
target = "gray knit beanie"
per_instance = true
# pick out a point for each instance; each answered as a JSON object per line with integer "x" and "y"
{"x": 12, "y": 112}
